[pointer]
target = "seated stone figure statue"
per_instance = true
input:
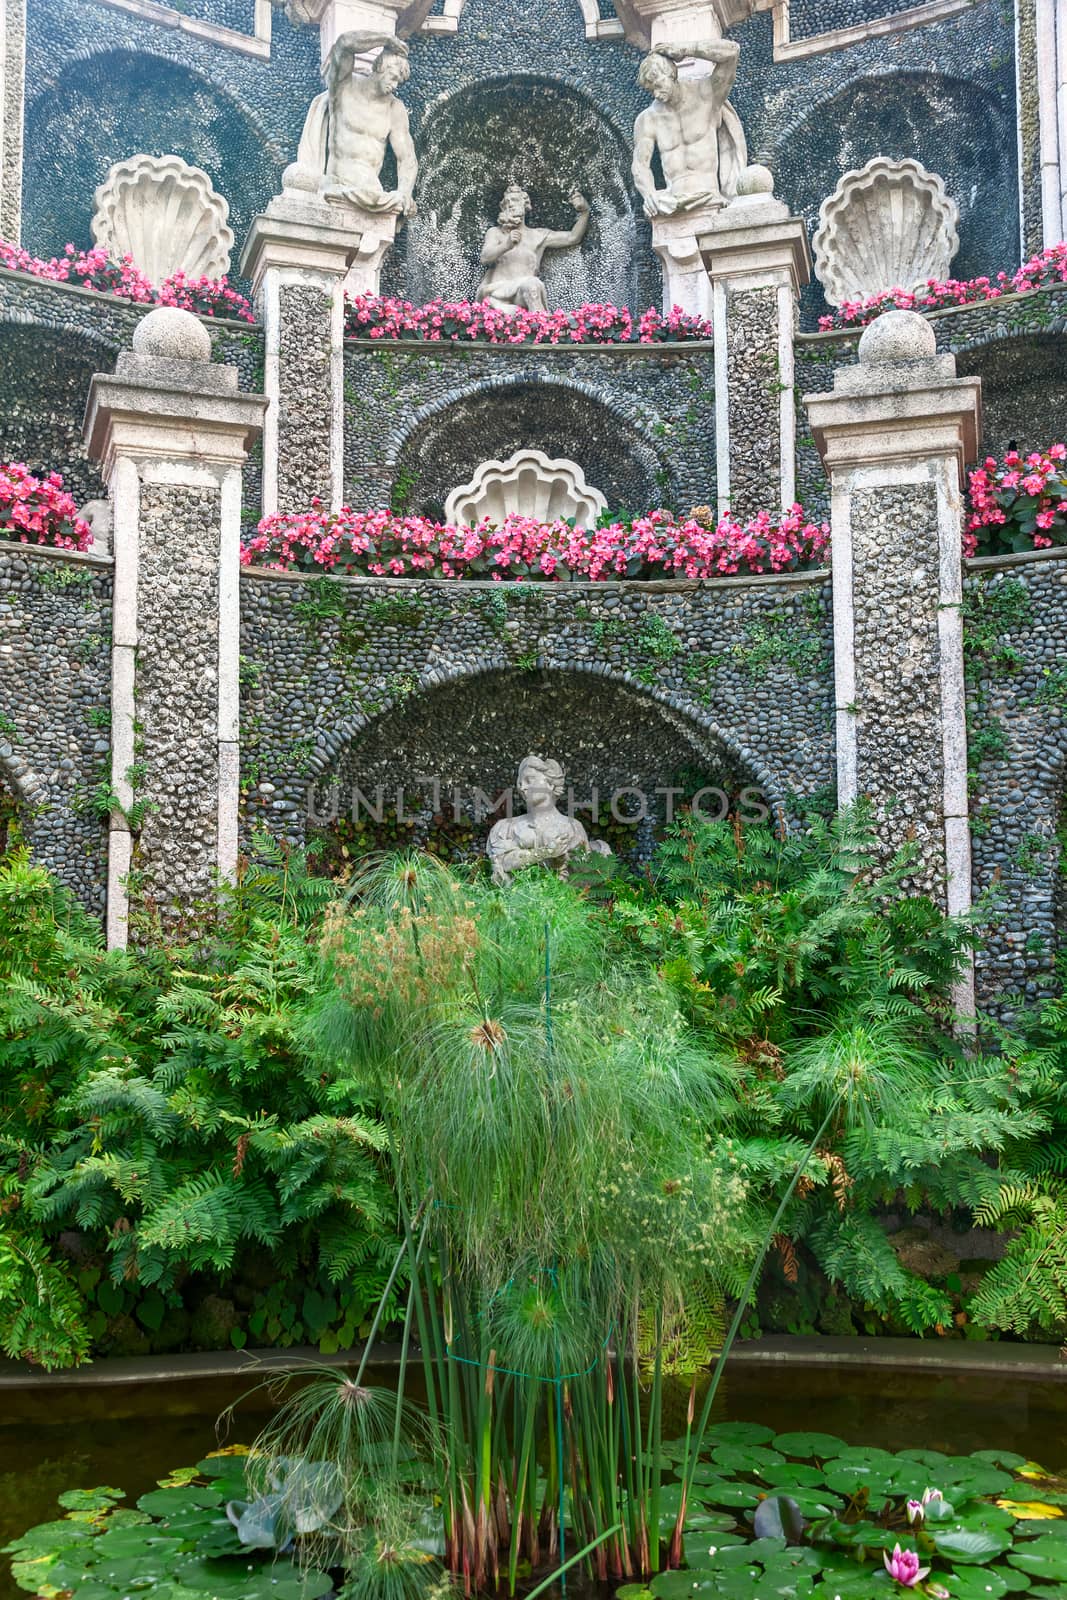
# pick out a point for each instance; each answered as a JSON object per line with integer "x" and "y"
{"x": 694, "y": 128}
{"x": 543, "y": 835}
{"x": 513, "y": 253}
{"x": 349, "y": 127}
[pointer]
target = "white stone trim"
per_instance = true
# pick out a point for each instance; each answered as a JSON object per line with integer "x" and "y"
{"x": 125, "y": 488}
{"x": 229, "y": 724}
{"x": 1019, "y": 152}
{"x": 787, "y": 400}
{"x": 12, "y": 105}
{"x": 920, "y": 16}
{"x": 337, "y": 393}
{"x": 270, "y": 311}
{"x": 722, "y": 396}
{"x": 255, "y": 44}
{"x": 955, "y": 798}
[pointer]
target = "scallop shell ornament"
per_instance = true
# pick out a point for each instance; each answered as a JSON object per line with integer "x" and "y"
{"x": 888, "y": 225}
{"x": 527, "y": 484}
{"x": 166, "y": 215}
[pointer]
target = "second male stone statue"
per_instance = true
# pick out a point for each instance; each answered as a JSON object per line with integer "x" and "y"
{"x": 350, "y": 127}
{"x": 697, "y": 132}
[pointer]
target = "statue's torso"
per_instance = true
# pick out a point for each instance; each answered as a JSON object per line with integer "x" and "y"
{"x": 523, "y": 260}
{"x": 687, "y": 135}
{"x": 360, "y": 125}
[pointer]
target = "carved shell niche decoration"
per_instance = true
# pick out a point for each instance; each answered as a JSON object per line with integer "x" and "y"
{"x": 888, "y": 225}
{"x": 166, "y": 215}
{"x": 527, "y": 484}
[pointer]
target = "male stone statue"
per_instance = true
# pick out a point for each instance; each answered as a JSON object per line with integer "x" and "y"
{"x": 543, "y": 835}
{"x": 513, "y": 252}
{"x": 349, "y": 127}
{"x": 697, "y": 133}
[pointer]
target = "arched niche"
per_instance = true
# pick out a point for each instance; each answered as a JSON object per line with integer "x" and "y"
{"x": 548, "y": 137}
{"x": 613, "y": 738}
{"x": 1024, "y": 390}
{"x": 45, "y": 375}
{"x": 490, "y": 423}
{"x": 954, "y": 127}
{"x": 117, "y": 104}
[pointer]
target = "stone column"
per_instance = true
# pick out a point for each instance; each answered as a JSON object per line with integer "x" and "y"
{"x": 756, "y": 256}
{"x": 172, "y": 433}
{"x": 894, "y": 435}
{"x": 12, "y": 113}
{"x": 298, "y": 255}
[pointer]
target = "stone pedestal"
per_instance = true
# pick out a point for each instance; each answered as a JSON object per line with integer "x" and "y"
{"x": 298, "y": 256}
{"x": 756, "y": 256}
{"x": 172, "y": 433}
{"x": 685, "y": 280}
{"x": 894, "y": 436}
{"x": 651, "y": 24}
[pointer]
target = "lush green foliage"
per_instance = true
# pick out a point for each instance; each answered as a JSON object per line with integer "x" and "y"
{"x": 160, "y": 1116}
{"x": 822, "y": 988}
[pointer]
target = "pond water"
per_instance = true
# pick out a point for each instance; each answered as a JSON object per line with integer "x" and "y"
{"x": 131, "y": 1435}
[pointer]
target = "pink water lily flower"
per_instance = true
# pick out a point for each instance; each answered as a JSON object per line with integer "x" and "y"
{"x": 916, "y": 1512}
{"x": 903, "y": 1567}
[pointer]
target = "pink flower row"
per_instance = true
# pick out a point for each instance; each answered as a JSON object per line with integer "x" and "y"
{"x": 1019, "y": 503}
{"x": 92, "y": 269}
{"x": 386, "y": 318}
{"x": 659, "y": 545}
{"x": 1040, "y": 272}
{"x": 39, "y": 510}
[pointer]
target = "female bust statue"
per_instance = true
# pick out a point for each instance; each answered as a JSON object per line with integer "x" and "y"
{"x": 543, "y": 835}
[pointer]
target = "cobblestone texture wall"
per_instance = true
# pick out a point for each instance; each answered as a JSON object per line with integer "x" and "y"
{"x": 898, "y": 695}
{"x": 55, "y": 709}
{"x": 1017, "y": 727}
{"x": 640, "y": 422}
{"x": 1029, "y": 136}
{"x": 177, "y": 691}
{"x": 13, "y": 70}
{"x": 621, "y": 681}
{"x": 753, "y": 385}
{"x": 305, "y": 411}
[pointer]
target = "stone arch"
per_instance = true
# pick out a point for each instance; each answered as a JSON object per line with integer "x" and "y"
{"x": 954, "y": 126}
{"x": 1024, "y": 388}
{"x": 489, "y": 420}
{"x": 161, "y": 106}
{"x": 590, "y": 10}
{"x": 469, "y": 728}
{"x": 547, "y": 135}
{"x": 45, "y": 373}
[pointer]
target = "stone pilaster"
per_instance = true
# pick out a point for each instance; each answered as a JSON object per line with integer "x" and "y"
{"x": 334, "y": 17}
{"x": 298, "y": 255}
{"x": 894, "y": 435}
{"x": 12, "y": 113}
{"x": 756, "y": 256}
{"x": 172, "y": 433}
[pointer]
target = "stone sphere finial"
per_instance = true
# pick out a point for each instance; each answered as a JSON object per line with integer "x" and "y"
{"x": 756, "y": 179}
{"x": 172, "y": 335}
{"x": 897, "y": 336}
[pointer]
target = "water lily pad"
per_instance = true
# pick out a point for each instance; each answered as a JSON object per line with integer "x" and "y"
{"x": 738, "y": 1433}
{"x": 700, "y": 1520}
{"x": 971, "y": 1545}
{"x": 681, "y": 1585}
{"x": 745, "y": 1458}
{"x": 90, "y": 1499}
{"x": 793, "y": 1476}
{"x": 1044, "y": 1558}
{"x": 809, "y": 1446}
{"x": 1032, "y": 1510}
{"x": 166, "y": 1502}
{"x": 849, "y": 1478}
{"x": 1000, "y": 1458}
{"x": 726, "y": 1494}
{"x": 632, "y": 1591}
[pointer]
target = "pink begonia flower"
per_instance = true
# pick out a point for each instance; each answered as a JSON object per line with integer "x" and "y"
{"x": 903, "y": 1567}
{"x": 92, "y": 269}
{"x": 1042, "y": 271}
